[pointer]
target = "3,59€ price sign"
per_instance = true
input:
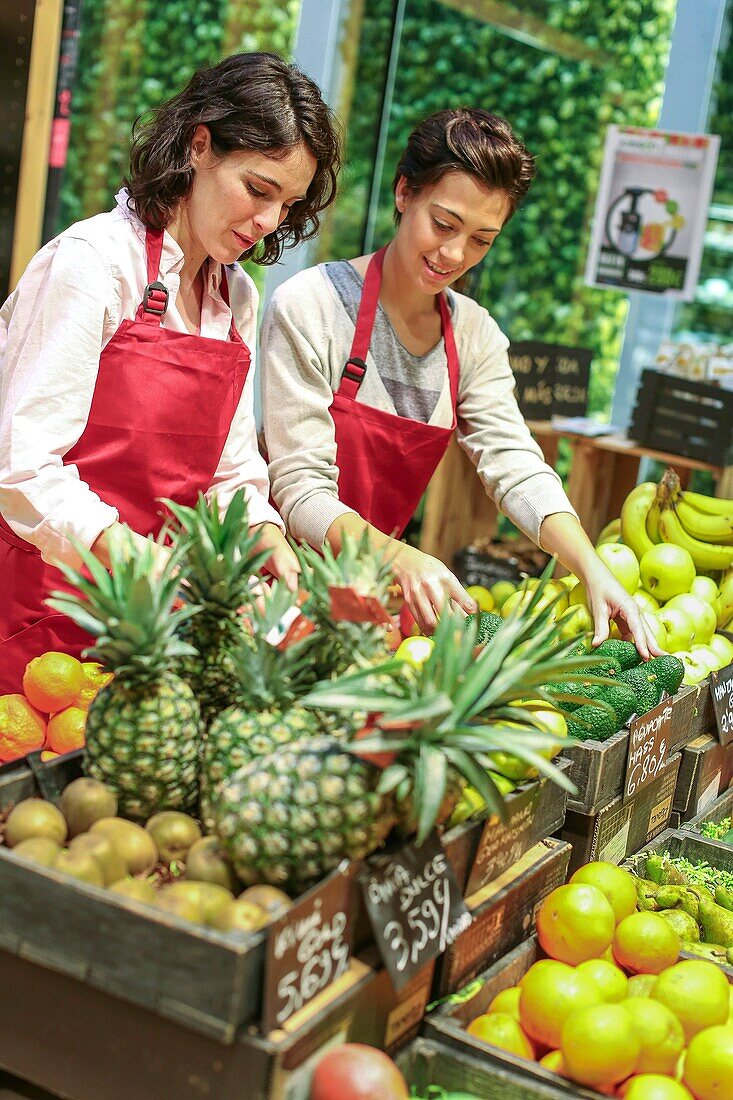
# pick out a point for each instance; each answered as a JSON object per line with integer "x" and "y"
{"x": 415, "y": 906}
{"x": 721, "y": 689}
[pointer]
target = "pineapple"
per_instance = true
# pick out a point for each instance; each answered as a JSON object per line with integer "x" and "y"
{"x": 288, "y": 818}
{"x": 143, "y": 730}
{"x": 221, "y": 558}
{"x": 268, "y": 682}
{"x": 342, "y": 644}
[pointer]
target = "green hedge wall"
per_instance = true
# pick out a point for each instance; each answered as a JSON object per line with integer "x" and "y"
{"x": 559, "y": 98}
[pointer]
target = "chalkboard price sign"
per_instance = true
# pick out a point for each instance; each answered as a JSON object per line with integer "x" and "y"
{"x": 308, "y": 948}
{"x": 721, "y": 688}
{"x": 552, "y": 379}
{"x": 415, "y": 907}
{"x": 649, "y": 738}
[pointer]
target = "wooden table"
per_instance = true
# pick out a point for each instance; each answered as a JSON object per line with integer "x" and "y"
{"x": 603, "y": 471}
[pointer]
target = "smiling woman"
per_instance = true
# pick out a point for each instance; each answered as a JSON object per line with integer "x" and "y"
{"x": 371, "y": 364}
{"x": 126, "y": 349}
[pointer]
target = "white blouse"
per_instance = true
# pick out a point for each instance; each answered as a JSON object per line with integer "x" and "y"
{"x": 68, "y": 305}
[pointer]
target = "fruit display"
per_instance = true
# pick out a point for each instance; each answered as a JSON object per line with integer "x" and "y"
{"x": 166, "y": 863}
{"x": 609, "y": 1005}
{"x": 718, "y": 830}
{"x": 50, "y": 715}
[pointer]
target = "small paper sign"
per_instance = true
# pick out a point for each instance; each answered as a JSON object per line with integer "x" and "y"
{"x": 721, "y": 689}
{"x": 347, "y": 605}
{"x": 308, "y": 948}
{"x": 648, "y": 747}
{"x": 415, "y": 907}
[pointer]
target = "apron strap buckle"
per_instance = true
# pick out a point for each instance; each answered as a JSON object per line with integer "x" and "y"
{"x": 155, "y": 299}
{"x": 352, "y": 376}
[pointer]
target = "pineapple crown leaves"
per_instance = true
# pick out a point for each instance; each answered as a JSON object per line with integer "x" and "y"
{"x": 270, "y": 676}
{"x": 457, "y": 707}
{"x": 357, "y": 565}
{"x": 128, "y": 609}
{"x": 220, "y": 552}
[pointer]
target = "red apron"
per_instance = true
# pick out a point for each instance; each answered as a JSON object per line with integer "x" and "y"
{"x": 385, "y": 461}
{"x": 161, "y": 412}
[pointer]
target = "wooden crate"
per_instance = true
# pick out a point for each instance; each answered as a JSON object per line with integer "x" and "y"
{"x": 622, "y": 827}
{"x": 521, "y": 1079}
{"x": 503, "y": 913}
{"x": 207, "y": 980}
{"x": 694, "y": 419}
{"x": 598, "y": 768}
{"x": 706, "y": 769}
{"x": 715, "y": 812}
{"x": 427, "y": 1063}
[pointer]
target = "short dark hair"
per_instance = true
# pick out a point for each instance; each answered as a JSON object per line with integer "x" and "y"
{"x": 467, "y": 139}
{"x": 248, "y": 101}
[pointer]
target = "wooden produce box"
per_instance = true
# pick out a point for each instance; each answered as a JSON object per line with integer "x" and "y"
{"x": 207, "y": 980}
{"x": 722, "y": 807}
{"x": 503, "y": 913}
{"x": 520, "y": 1079}
{"x": 428, "y": 1064}
{"x": 705, "y": 771}
{"x": 82, "y": 1044}
{"x": 622, "y": 827}
{"x": 386, "y": 1018}
{"x": 697, "y": 849}
{"x": 683, "y": 417}
{"x": 598, "y": 768}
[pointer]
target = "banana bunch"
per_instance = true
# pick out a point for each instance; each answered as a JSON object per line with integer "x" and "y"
{"x": 725, "y": 601}
{"x": 667, "y": 513}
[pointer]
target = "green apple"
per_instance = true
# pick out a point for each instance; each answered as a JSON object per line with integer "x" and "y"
{"x": 679, "y": 626}
{"x": 645, "y": 601}
{"x": 705, "y": 589}
{"x": 702, "y": 614}
{"x": 657, "y": 629}
{"x": 414, "y": 651}
{"x": 706, "y": 656}
{"x": 695, "y": 670}
{"x": 724, "y": 648}
{"x": 576, "y": 620}
{"x": 578, "y": 596}
{"x": 501, "y": 591}
{"x": 523, "y": 597}
{"x": 621, "y": 560}
{"x": 666, "y": 571}
{"x": 569, "y": 580}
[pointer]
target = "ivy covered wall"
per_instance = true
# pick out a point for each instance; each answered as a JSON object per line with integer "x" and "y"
{"x": 565, "y": 71}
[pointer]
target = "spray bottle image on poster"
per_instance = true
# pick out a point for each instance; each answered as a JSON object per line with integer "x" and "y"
{"x": 651, "y": 211}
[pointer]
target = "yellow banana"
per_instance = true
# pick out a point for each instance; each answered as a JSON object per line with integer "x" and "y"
{"x": 707, "y": 556}
{"x": 703, "y": 525}
{"x": 610, "y": 533}
{"x": 652, "y": 522}
{"x": 713, "y": 506}
{"x": 725, "y": 599}
{"x": 633, "y": 518}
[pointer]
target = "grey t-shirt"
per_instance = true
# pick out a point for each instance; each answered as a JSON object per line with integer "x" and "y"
{"x": 414, "y": 382}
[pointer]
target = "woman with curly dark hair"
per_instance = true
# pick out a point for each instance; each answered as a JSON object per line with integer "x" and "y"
{"x": 126, "y": 350}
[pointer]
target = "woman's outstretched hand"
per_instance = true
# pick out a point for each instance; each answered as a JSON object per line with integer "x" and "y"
{"x": 427, "y": 586}
{"x": 282, "y": 562}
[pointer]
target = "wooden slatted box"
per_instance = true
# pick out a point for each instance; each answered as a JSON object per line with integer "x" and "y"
{"x": 694, "y": 419}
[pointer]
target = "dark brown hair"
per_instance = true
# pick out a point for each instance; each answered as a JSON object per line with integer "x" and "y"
{"x": 248, "y": 101}
{"x": 467, "y": 140}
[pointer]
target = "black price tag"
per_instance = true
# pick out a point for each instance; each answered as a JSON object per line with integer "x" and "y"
{"x": 308, "y": 948}
{"x": 552, "y": 379}
{"x": 649, "y": 738}
{"x": 721, "y": 689}
{"x": 415, "y": 907}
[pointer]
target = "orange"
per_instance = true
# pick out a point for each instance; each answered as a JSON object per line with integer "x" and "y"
{"x": 66, "y": 730}
{"x": 575, "y": 923}
{"x": 95, "y": 678}
{"x": 551, "y": 992}
{"x": 503, "y": 1031}
{"x": 653, "y": 1086}
{"x": 660, "y": 1032}
{"x": 22, "y": 729}
{"x": 708, "y": 1071}
{"x": 53, "y": 681}
{"x": 618, "y": 885}
{"x": 640, "y": 985}
{"x": 599, "y": 1045}
{"x": 507, "y": 1001}
{"x": 608, "y": 978}
{"x": 553, "y": 1061}
{"x": 645, "y": 943}
{"x": 697, "y": 992}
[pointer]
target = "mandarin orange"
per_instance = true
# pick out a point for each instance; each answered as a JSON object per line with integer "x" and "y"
{"x": 22, "y": 728}
{"x": 52, "y": 681}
